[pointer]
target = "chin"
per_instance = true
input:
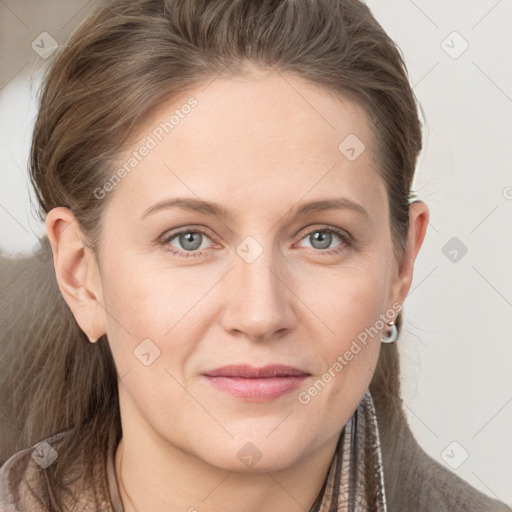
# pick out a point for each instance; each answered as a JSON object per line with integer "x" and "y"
{"x": 254, "y": 464}
{"x": 254, "y": 454}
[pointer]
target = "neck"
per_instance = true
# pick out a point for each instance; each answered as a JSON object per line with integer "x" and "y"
{"x": 157, "y": 478}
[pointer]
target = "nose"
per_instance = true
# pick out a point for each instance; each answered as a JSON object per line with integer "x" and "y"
{"x": 260, "y": 304}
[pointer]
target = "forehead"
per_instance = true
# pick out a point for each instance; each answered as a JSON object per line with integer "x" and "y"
{"x": 239, "y": 113}
{"x": 267, "y": 136}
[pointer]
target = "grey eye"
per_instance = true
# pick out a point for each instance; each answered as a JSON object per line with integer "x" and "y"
{"x": 320, "y": 239}
{"x": 190, "y": 241}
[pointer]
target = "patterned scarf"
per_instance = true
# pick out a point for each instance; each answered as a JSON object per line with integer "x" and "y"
{"x": 355, "y": 482}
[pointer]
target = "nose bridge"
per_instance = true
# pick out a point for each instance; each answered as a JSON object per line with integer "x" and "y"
{"x": 259, "y": 304}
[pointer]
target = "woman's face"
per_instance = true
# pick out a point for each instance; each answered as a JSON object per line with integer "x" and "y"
{"x": 278, "y": 252}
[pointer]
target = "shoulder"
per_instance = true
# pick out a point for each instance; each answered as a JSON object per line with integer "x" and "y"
{"x": 22, "y": 477}
{"x": 454, "y": 494}
{"x": 416, "y": 481}
{"x": 441, "y": 490}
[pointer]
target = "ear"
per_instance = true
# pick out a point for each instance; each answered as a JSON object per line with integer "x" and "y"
{"x": 418, "y": 222}
{"x": 77, "y": 272}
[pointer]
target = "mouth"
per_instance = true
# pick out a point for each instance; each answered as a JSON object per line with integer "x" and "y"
{"x": 256, "y": 384}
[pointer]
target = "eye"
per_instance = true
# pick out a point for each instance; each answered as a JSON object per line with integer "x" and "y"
{"x": 322, "y": 238}
{"x": 188, "y": 242}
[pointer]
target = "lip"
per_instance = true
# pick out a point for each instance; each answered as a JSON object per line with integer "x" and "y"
{"x": 246, "y": 371}
{"x": 256, "y": 384}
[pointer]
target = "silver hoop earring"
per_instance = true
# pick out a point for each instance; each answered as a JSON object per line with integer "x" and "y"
{"x": 392, "y": 335}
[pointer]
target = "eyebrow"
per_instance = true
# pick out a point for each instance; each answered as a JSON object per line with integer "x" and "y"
{"x": 215, "y": 209}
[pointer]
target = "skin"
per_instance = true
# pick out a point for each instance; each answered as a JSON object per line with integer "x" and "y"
{"x": 255, "y": 146}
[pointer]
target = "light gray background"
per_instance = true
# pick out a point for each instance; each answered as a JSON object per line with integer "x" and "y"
{"x": 456, "y": 347}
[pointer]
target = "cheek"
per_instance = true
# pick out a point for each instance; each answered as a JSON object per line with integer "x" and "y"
{"x": 134, "y": 306}
{"x": 150, "y": 297}
{"x": 144, "y": 301}
{"x": 350, "y": 298}
{"x": 349, "y": 354}
{"x": 350, "y": 304}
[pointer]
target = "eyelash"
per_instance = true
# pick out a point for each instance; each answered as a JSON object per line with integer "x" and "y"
{"x": 194, "y": 254}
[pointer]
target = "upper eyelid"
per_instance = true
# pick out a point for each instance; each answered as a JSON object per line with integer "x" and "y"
{"x": 312, "y": 229}
{"x": 345, "y": 237}
{"x": 169, "y": 235}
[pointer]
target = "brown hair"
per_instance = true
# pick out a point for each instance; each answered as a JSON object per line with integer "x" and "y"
{"x": 122, "y": 62}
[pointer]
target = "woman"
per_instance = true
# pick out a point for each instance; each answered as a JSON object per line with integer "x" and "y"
{"x": 226, "y": 187}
